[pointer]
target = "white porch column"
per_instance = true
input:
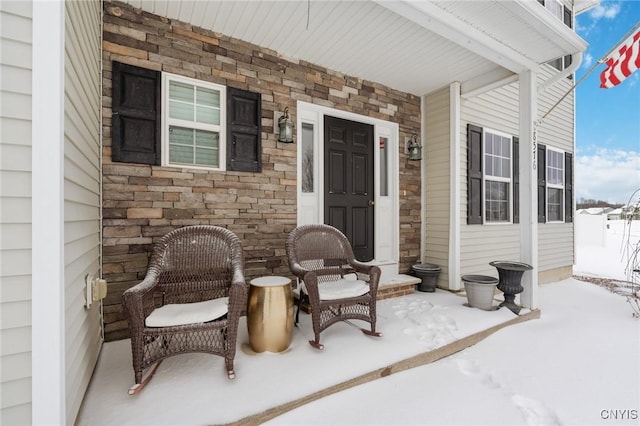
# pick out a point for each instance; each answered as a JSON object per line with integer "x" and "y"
{"x": 455, "y": 187}
{"x": 528, "y": 187}
{"x": 47, "y": 211}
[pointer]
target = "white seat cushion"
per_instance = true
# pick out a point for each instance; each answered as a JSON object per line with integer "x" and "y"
{"x": 188, "y": 313}
{"x": 342, "y": 289}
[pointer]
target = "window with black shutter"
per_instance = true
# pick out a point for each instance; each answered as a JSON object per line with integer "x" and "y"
{"x": 200, "y": 124}
{"x": 542, "y": 183}
{"x": 244, "y": 138}
{"x": 555, "y": 185}
{"x": 135, "y": 133}
{"x": 493, "y": 182}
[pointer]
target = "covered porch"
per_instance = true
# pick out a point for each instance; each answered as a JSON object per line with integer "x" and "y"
{"x": 413, "y": 47}
{"x": 193, "y": 389}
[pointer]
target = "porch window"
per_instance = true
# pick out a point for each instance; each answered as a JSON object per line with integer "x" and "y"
{"x": 492, "y": 176}
{"x": 560, "y": 11}
{"x": 497, "y": 177}
{"x": 384, "y": 161}
{"x": 307, "y": 157}
{"x": 192, "y": 122}
{"x": 555, "y": 7}
{"x": 555, "y": 185}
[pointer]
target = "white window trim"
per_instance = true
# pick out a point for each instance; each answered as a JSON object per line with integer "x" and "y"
{"x": 167, "y": 121}
{"x": 485, "y": 178}
{"x": 555, "y": 186}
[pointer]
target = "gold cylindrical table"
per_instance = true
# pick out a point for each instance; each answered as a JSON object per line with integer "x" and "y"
{"x": 270, "y": 314}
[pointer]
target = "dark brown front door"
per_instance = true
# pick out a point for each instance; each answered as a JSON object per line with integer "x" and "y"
{"x": 348, "y": 198}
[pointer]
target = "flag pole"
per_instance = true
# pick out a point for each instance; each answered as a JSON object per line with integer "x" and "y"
{"x": 571, "y": 90}
{"x": 624, "y": 37}
{"x": 599, "y": 62}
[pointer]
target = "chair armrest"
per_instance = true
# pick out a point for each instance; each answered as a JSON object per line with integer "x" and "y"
{"x": 138, "y": 300}
{"x": 237, "y": 298}
{"x": 237, "y": 293}
{"x": 363, "y": 268}
{"x": 298, "y": 270}
{"x": 310, "y": 279}
{"x": 371, "y": 271}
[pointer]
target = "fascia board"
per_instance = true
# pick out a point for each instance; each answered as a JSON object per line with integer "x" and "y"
{"x": 434, "y": 19}
{"x": 544, "y": 22}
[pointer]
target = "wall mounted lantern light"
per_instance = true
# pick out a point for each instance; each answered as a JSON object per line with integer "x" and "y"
{"x": 414, "y": 148}
{"x": 285, "y": 127}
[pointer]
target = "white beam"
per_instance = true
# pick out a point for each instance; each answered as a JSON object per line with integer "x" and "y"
{"x": 487, "y": 82}
{"x": 47, "y": 318}
{"x": 528, "y": 187}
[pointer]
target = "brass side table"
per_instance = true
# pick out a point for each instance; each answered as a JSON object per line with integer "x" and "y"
{"x": 270, "y": 314}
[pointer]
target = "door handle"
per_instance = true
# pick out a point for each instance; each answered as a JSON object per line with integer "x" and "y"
{"x": 371, "y": 202}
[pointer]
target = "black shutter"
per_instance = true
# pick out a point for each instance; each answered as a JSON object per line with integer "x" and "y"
{"x": 568, "y": 20}
{"x": 568, "y": 187}
{"x": 135, "y": 132}
{"x": 516, "y": 180}
{"x": 567, "y": 62}
{"x": 244, "y": 137}
{"x": 474, "y": 174}
{"x": 542, "y": 183}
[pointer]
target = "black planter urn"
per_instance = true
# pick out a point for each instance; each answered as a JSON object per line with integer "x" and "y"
{"x": 510, "y": 278}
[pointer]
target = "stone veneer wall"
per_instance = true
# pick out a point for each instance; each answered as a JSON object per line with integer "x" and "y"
{"x": 141, "y": 202}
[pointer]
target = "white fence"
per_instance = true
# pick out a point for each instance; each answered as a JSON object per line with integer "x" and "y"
{"x": 591, "y": 230}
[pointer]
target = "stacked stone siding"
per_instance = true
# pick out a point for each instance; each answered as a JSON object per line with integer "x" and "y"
{"x": 142, "y": 202}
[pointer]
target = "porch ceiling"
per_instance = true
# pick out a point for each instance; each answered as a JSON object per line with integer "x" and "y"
{"x": 416, "y": 47}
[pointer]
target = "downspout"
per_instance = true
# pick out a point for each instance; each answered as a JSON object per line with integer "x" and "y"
{"x": 576, "y": 61}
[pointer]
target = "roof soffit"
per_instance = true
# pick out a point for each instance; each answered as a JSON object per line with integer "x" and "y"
{"x": 416, "y": 47}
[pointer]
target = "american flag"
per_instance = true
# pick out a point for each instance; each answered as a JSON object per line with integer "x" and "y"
{"x": 622, "y": 61}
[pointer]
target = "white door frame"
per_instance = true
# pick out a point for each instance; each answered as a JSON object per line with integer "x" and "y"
{"x": 311, "y": 204}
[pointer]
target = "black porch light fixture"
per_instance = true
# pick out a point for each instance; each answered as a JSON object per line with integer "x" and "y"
{"x": 414, "y": 148}
{"x": 285, "y": 128}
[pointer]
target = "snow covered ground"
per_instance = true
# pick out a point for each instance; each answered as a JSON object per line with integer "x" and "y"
{"x": 579, "y": 364}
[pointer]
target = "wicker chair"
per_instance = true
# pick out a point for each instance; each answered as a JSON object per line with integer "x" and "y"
{"x": 191, "y": 298}
{"x": 337, "y": 286}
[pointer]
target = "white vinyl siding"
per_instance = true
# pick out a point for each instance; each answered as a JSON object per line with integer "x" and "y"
{"x": 498, "y": 109}
{"x": 436, "y": 156}
{"x": 555, "y": 240}
{"x": 15, "y": 212}
{"x": 480, "y": 244}
{"x": 82, "y": 150}
{"x": 555, "y": 245}
{"x": 557, "y": 129}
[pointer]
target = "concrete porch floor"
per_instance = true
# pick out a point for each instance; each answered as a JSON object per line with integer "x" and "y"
{"x": 417, "y": 329}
